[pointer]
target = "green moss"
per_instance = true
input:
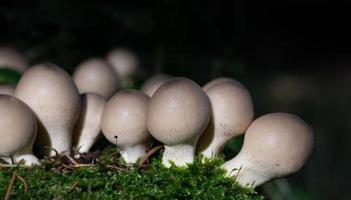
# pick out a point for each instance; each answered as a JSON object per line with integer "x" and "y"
{"x": 110, "y": 179}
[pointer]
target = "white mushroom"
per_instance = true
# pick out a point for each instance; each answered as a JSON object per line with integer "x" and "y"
{"x": 178, "y": 114}
{"x": 88, "y": 127}
{"x": 275, "y": 145}
{"x": 124, "y": 62}
{"x": 232, "y": 113}
{"x": 152, "y": 84}
{"x": 18, "y": 127}
{"x": 11, "y": 59}
{"x": 95, "y": 75}
{"x": 124, "y": 123}
{"x": 51, "y": 93}
{"x": 7, "y": 88}
{"x": 219, "y": 80}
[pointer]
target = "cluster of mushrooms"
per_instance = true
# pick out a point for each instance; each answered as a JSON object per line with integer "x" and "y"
{"x": 50, "y": 108}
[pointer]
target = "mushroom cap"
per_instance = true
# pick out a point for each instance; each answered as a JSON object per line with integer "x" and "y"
{"x": 279, "y": 143}
{"x": 18, "y": 126}
{"x": 152, "y": 84}
{"x": 12, "y": 59}
{"x": 124, "y": 118}
{"x": 95, "y": 75}
{"x": 220, "y": 80}
{"x": 124, "y": 62}
{"x": 88, "y": 124}
{"x": 179, "y": 111}
{"x": 51, "y": 93}
{"x": 7, "y": 88}
{"x": 232, "y": 112}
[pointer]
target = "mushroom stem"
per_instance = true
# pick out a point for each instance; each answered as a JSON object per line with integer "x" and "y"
{"x": 64, "y": 145}
{"x": 180, "y": 154}
{"x": 60, "y": 141}
{"x": 28, "y": 158}
{"x": 243, "y": 169}
{"x": 132, "y": 153}
{"x": 85, "y": 144}
{"x": 214, "y": 147}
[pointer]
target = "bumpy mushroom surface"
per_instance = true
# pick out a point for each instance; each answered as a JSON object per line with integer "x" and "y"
{"x": 178, "y": 114}
{"x": 124, "y": 123}
{"x": 11, "y": 59}
{"x": 88, "y": 127}
{"x": 124, "y": 62}
{"x": 219, "y": 80}
{"x": 51, "y": 93}
{"x": 275, "y": 145}
{"x": 95, "y": 75}
{"x": 7, "y": 88}
{"x": 18, "y": 127}
{"x": 232, "y": 113}
{"x": 152, "y": 84}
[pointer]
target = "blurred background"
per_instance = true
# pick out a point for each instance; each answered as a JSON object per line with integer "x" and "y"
{"x": 293, "y": 57}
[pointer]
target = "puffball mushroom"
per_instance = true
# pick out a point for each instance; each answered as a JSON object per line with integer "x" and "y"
{"x": 124, "y": 123}
{"x": 232, "y": 113}
{"x": 7, "y": 88}
{"x": 124, "y": 62}
{"x": 219, "y": 80}
{"x": 88, "y": 126}
{"x": 18, "y": 127}
{"x": 95, "y": 75}
{"x": 51, "y": 93}
{"x": 275, "y": 145}
{"x": 11, "y": 59}
{"x": 152, "y": 84}
{"x": 178, "y": 113}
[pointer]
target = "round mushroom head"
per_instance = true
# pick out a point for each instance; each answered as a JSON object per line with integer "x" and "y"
{"x": 232, "y": 113}
{"x": 152, "y": 84}
{"x": 51, "y": 93}
{"x": 95, "y": 75}
{"x": 124, "y": 118}
{"x": 11, "y": 59}
{"x": 281, "y": 141}
{"x": 7, "y": 88}
{"x": 88, "y": 127}
{"x": 220, "y": 80}
{"x": 275, "y": 145}
{"x": 124, "y": 62}
{"x": 178, "y": 113}
{"x": 18, "y": 127}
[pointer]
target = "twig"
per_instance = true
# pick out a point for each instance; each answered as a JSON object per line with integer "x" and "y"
{"x": 118, "y": 168}
{"x": 237, "y": 174}
{"x": 9, "y": 187}
{"x": 57, "y": 155}
{"x": 25, "y": 184}
{"x": 148, "y": 154}
{"x": 67, "y": 166}
{"x": 73, "y": 186}
{"x": 71, "y": 159}
{"x": 13, "y": 160}
{"x": 83, "y": 165}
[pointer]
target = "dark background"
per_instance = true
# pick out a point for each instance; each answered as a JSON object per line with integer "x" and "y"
{"x": 293, "y": 57}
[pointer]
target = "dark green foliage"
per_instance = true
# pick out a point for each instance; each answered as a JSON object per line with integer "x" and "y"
{"x": 109, "y": 179}
{"x": 8, "y": 75}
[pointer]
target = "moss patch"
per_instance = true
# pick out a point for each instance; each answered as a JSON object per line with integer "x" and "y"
{"x": 109, "y": 178}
